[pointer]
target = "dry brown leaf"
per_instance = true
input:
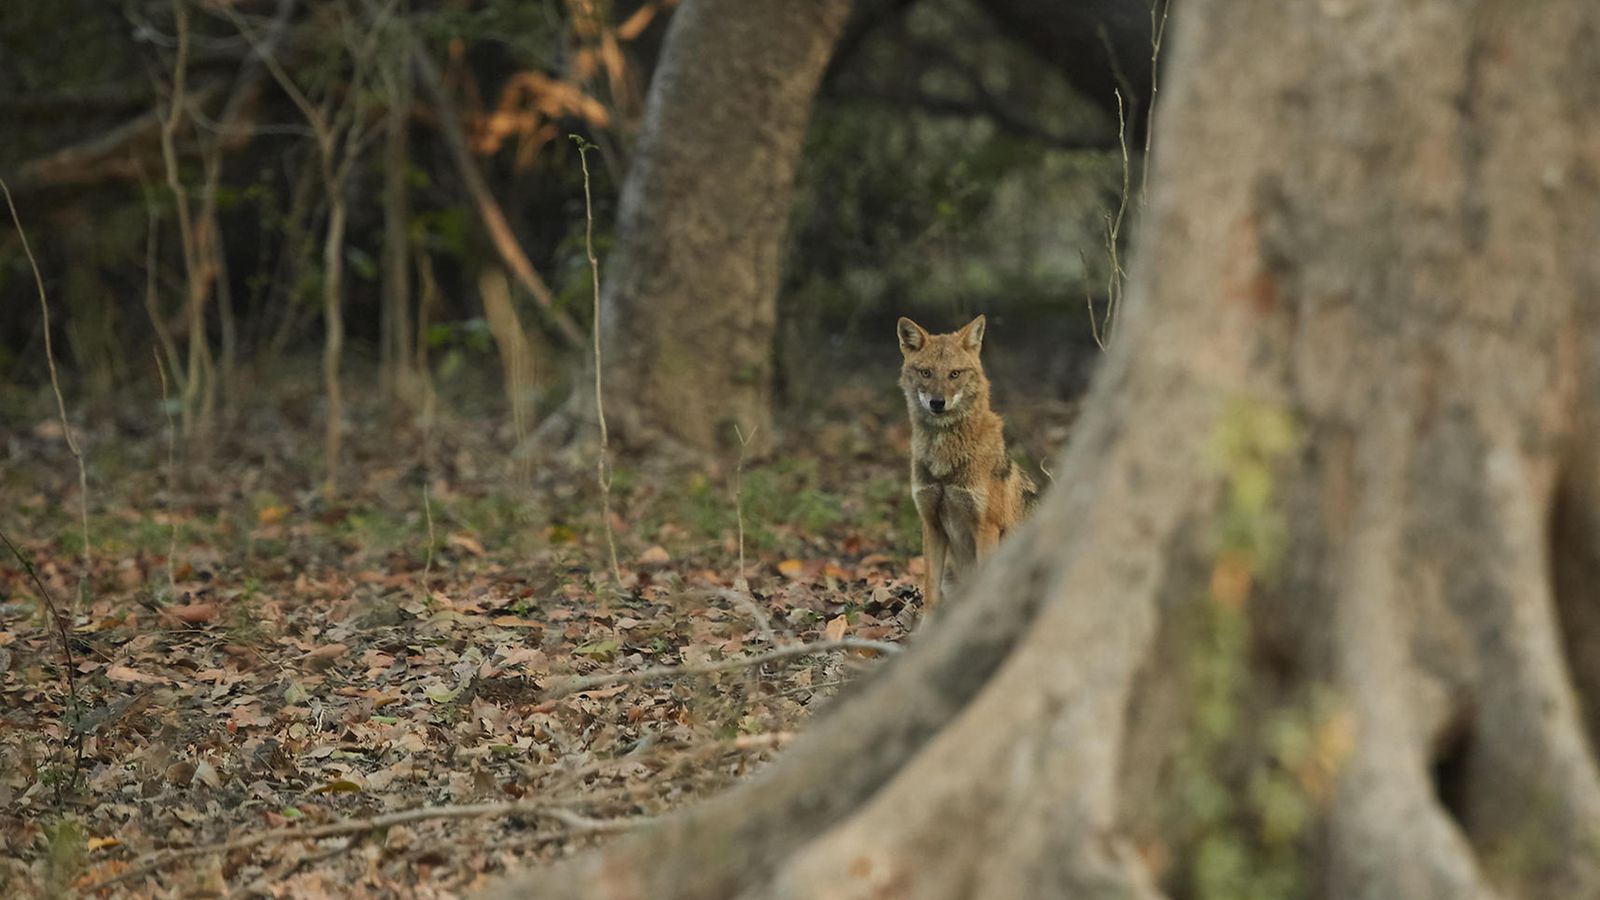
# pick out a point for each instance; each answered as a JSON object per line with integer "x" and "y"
{"x": 327, "y": 652}
{"x": 836, "y": 628}
{"x": 194, "y": 613}
{"x": 132, "y": 676}
{"x": 655, "y": 556}
{"x": 463, "y": 541}
{"x": 205, "y": 773}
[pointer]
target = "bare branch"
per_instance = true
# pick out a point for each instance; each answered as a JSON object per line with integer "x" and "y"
{"x": 575, "y": 822}
{"x": 590, "y": 682}
{"x": 601, "y": 462}
{"x": 494, "y": 220}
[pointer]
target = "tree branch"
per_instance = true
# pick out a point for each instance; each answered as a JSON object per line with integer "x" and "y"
{"x": 575, "y": 822}
{"x": 590, "y": 682}
{"x": 494, "y": 220}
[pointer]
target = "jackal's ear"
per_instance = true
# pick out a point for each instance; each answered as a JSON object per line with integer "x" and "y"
{"x": 972, "y": 335}
{"x": 912, "y": 335}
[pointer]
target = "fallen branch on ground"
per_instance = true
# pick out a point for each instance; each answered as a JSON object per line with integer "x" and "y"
{"x": 590, "y": 682}
{"x": 577, "y": 824}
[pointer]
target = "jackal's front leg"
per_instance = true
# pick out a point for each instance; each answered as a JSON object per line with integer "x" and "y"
{"x": 987, "y": 538}
{"x": 935, "y": 543}
{"x": 933, "y": 554}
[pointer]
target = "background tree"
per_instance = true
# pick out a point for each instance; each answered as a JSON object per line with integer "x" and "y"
{"x": 691, "y": 288}
{"x": 1307, "y": 613}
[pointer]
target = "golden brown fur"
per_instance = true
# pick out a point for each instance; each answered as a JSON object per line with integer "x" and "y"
{"x": 968, "y": 491}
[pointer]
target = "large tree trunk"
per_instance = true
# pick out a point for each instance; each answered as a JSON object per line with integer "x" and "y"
{"x": 1311, "y": 610}
{"x": 691, "y": 290}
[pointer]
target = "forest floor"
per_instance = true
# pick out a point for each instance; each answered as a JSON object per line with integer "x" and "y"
{"x": 260, "y": 670}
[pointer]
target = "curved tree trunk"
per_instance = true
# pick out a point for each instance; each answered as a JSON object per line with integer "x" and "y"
{"x": 691, "y": 291}
{"x": 1312, "y": 608}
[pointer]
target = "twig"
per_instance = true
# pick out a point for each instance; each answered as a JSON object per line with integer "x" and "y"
{"x": 71, "y": 667}
{"x": 1158, "y": 30}
{"x": 172, "y": 476}
{"x": 1115, "y": 280}
{"x": 582, "y": 824}
{"x": 601, "y": 474}
{"x": 152, "y": 304}
{"x": 590, "y": 682}
{"x": 1088, "y": 300}
{"x": 427, "y": 567}
{"x": 738, "y": 498}
{"x": 197, "y": 372}
{"x": 61, "y": 403}
{"x": 766, "y": 741}
{"x": 577, "y": 823}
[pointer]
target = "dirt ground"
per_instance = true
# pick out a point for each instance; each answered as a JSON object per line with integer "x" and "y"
{"x": 255, "y": 665}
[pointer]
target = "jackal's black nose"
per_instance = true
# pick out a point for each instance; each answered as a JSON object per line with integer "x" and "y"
{"x": 936, "y": 404}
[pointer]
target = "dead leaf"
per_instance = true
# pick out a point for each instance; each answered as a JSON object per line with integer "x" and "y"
{"x": 791, "y": 568}
{"x": 327, "y": 652}
{"x": 194, "y": 613}
{"x": 132, "y": 676}
{"x": 836, "y": 628}
{"x": 528, "y": 657}
{"x": 655, "y": 556}
{"x": 463, "y": 541}
{"x": 206, "y": 774}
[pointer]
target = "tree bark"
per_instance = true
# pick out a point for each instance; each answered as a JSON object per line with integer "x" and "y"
{"x": 690, "y": 294}
{"x": 395, "y": 345}
{"x": 1307, "y": 610}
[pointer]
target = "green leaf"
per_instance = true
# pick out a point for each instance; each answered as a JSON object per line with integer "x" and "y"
{"x": 438, "y": 693}
{"x": 338, "y": 786}
{"x": 598, "y": 649}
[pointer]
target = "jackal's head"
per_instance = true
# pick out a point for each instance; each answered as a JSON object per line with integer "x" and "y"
{"x": 941, "y": 374}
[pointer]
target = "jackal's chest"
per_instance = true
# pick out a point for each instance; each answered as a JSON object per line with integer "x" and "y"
{"x": 937, "y": 456}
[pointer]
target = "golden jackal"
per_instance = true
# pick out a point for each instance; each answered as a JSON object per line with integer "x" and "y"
{"x": 968, "y": 491}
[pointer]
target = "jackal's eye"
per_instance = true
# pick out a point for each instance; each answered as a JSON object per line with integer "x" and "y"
{"x": 925, "y": 373}
{"x": 954, "y": 373}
